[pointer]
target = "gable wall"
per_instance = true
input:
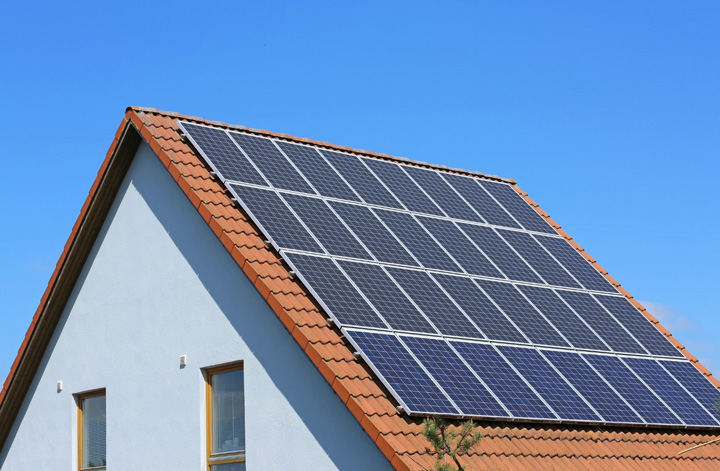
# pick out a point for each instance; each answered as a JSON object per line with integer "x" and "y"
{"x": 158, "y": 284}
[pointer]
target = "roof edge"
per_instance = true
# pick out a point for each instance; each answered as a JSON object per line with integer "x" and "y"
{"x": 327, "y": 145}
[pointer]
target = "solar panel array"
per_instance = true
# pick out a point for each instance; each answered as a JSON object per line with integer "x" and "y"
{"x": 458, "y": 294}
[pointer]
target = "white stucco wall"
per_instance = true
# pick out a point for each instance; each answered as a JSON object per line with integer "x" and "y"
{"x": 157, "y": 285}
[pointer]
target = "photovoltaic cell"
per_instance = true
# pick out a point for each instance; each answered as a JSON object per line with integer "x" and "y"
{"x": 328, "y": 229}
{"x": 443, "y": 195}
{"x": 517, "y": 206}
{"x": 224, "y": 154}
{"x": 601, "y": 322}
{"x": 387, "y": 298}
{"x": 434, "y": 303}
{"x": 592, "y": 387}
{"x": 624, "y": 381}
{"x": 508, "y": 386}
{"x": 271, "y": 162}
{"x": 562, "y": 317}
{"x": 403, "y": 374}
{"x": 538, "y": 258}
{"x": 576, "y": 264}
{"x": 638, "y": 325}
{"x": 334, "y": 289}
{"x": 322, "y": 176}
{"x": 480, "y": 200}
{"x": 361, "y": 179}
{"x": 669, "y": 391}
{"x": 479, "y": 308}
{"x": 549, "y": 384}
{"x": 373, "y": 234}
{"x": 275, "y": 217}
{"x": 460, "y": 247}
{"x": 526, "y": 317}
{"x": 696, "y": 384}
{"x": 404, "y": 188}
{"x": 417, "y": 240}
{"x": 500, "y": 253}
{"x": 469, "y": 394}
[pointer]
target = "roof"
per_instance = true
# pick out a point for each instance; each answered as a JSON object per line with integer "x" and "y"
{"x": 506, "y": 445}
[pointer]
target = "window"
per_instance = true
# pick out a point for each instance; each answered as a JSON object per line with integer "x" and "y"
{"x": 91, "y": 431}
{"x": 225, "y": 418}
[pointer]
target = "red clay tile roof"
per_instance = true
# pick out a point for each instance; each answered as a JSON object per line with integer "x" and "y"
{"x": 505, "y": 446}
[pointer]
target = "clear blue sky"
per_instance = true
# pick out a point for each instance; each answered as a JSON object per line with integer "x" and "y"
{"x": 607, "y": 113}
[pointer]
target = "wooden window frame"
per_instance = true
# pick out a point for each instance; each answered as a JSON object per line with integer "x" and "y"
{"x": 232, "y": 457}
{"x": 80, "y": 399}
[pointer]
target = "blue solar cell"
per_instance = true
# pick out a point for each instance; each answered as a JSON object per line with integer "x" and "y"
{"x": 276, "y": 219}
{"x": 403, "y": 374}
{"x": 224, "y": 155}
{"x": 669, "y": 391}
{"x": 479, "y": 308}
{"x": 403, "y": 187}
{"x": 522, "y": 313}
{"x": 480, "y": 200}
{"x": 335, "y": 291}
{"x": 460, "y": 247}
{"x": 221, "y": 151}
{"x": 517, "y": 206}
{"x": 417, "y": 240}
{"x": 500, "y": 253}
{"x": 368, "y": 228}
{"x": 469, "y": 394}
{"x": 387, "y": 298}
{"x": 549, "y": 384}
{"x": 562, "y": 317}
{"x": 538, "y": 258}
{"x": 638, "y": 325}
{"x": 314, "y": 167}
{"x": 696, "y": 384}
{"x": 601, "y": 322}
{"x": 576, "y": 264}
{"x": 326, "y": 226}
{"x": 503, "y": 381}
{"x": 443, "y": 195}
{"x": 592, "y": 387}
{"x": 434, "y": 303}
{"x": 632, "y": 390}
{"x": 271, "y": 162}
{"x": 361, "y": 179}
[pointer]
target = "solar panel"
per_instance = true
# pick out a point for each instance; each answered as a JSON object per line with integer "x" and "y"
{"x": 606, "y": 401}
{"x": 318, "y": 172}
{"x": 403, "y": 187}
{"x": 444, "y": 196}
{"x": 549, "y": 384}
{"x": 429, "y": 297}
{"x": 458, "y": 294}
{"x": 460, "y": 247}
{"x": 402, "y": 374}
{"x": 518, "y": 207}
{"x": 543, "y": 264}
{"x": 361, "y": 179}
{"x": 272, "y": 163}
{"x": 455, "y": 377}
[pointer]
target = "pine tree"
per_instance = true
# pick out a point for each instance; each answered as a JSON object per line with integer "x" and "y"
{"x": 449, "y": 443}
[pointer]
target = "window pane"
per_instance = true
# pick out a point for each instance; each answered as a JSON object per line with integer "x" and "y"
{"x": 228, "y": 415}
{"x": 93, "y": 432}
{"x": 228, "y": 467}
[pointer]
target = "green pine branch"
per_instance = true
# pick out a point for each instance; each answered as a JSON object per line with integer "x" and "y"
{"x": 446, "y": 443}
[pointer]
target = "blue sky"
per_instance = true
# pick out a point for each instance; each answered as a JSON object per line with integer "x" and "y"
{"x": 607, "y": 113}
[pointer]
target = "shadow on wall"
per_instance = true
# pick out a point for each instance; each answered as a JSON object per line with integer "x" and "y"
{"x": 289, "y": 368}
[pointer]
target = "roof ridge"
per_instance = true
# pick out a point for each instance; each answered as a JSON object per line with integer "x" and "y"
{"x": 304, "y": 140}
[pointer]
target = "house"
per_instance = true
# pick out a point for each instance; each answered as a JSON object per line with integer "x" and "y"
{"x": 174, "y": 335}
